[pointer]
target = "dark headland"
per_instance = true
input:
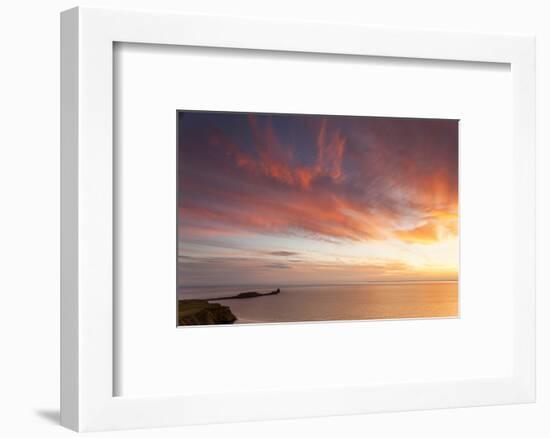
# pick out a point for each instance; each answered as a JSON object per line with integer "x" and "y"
{"x": 202, "y": 312}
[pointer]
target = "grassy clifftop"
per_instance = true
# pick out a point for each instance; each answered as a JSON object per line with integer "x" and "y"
{"x": 201, "y": 312}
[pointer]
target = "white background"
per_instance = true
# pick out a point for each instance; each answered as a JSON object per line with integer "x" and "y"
{"x": 29, "y": 231}
{"x": 151, "y": 82}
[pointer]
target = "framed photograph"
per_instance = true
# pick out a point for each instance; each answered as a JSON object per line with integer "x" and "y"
{"x": 324, "y": 217}
{"x": 275, "y": 219}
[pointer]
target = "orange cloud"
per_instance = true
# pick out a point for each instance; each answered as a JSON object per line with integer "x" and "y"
{"x": 427, "y": 233}
{"x": 324, "y": 216}
{"x": 276, "y": 160}
{"x": 327, "y": 178}
{"x": 436, "y": 226}
{"x": 291, "y": 180}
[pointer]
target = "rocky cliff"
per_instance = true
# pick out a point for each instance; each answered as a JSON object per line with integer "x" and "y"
{"x": 201, "y": 312}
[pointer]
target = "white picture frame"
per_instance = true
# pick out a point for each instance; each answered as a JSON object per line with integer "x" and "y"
{"x": 88, "y": 36}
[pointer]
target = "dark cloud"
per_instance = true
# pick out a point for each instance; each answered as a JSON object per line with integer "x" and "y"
{"x": 277, "y": 266}
{"x": 283, "y": 253}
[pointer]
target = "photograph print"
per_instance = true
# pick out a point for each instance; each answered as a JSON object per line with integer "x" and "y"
{"x": 289, "y": 218}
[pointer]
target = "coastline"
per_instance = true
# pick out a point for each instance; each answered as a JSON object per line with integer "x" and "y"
{"x": 353, "y": 302}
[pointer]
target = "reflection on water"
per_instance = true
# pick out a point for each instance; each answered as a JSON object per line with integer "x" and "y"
{"x": 340, "y": 302}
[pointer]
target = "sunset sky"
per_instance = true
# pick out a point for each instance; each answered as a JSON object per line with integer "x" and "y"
{"x": 296, "y": 199}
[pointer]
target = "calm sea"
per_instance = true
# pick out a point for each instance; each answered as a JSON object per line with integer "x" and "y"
{"x": 337, "y": 302}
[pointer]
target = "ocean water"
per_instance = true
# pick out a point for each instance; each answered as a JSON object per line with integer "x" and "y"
{"x": 337, "y": 302}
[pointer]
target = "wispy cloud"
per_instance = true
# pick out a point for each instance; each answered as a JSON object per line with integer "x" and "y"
{"x": 283, "y": 253}
{"x": 277, "y": 266}
{"x": 339, "y": 180}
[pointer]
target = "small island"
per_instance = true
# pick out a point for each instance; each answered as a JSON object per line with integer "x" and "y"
{"x": 203, "y": 312}
{"x": 246, "y": 295}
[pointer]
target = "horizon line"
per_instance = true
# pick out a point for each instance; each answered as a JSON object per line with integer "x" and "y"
{"x": 321, "y": 284}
